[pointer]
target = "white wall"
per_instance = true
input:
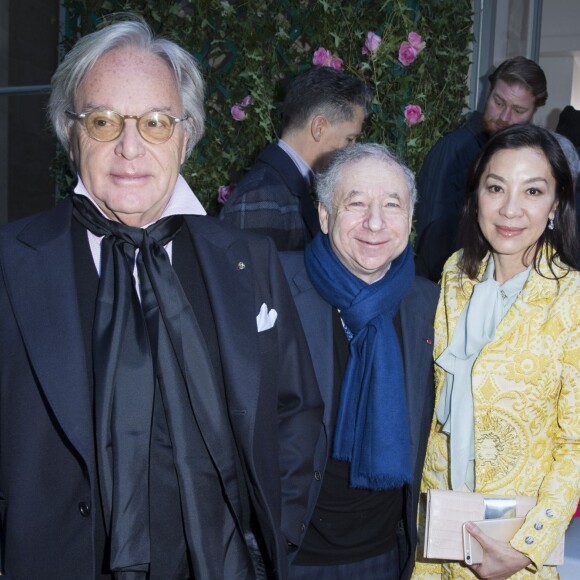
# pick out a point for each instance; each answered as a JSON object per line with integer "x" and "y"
{"x": 560, "y": 58}
{"x": 559, "y": 72}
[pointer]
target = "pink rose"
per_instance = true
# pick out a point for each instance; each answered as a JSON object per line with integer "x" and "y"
{"x": 238, "y": 113}
{"x": 322, "y": 57}
{"x": 416, "y": 41}
{"x": 413, "y": 115}
{"x": 407, "y": 53}
{"x": 336, "y": 63}
{"x": 246, "y": 101}
{"x": 223, "y": 193}
{"x": 371, "y": 43}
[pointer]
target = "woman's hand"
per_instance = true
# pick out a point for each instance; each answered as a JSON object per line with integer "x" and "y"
{"x": 500, "y": 560}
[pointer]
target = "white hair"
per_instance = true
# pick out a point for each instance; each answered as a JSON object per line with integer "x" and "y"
{"x": 326, "y": 182}
{"x": 133, "y": 31}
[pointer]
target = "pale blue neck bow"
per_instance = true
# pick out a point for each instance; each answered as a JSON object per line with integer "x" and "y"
{"x": 475, "y": 328}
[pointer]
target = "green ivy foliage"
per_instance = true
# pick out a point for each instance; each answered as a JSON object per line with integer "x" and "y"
{"x": 252, "y": 47}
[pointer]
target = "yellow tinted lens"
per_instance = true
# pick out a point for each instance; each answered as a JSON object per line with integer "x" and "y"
{"x": 104, "y": 125}
{"x": 156, "y": 127}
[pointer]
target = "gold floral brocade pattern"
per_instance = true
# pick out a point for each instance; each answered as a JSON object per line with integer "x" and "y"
{"x": 500, "y": 437}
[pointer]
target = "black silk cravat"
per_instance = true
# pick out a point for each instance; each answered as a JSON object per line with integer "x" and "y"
{"x": 136, "y": 342}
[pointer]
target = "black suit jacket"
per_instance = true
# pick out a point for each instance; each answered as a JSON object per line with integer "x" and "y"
{"x": 48, "y": 478}
{"x": 274, "y": 199}
{"x": 417, "y": 315}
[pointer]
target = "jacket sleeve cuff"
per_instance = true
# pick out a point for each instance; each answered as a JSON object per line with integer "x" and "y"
{"x": 539, "y": 535}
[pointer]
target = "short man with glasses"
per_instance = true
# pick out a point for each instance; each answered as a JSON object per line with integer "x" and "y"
{"x": 154, "y": 424}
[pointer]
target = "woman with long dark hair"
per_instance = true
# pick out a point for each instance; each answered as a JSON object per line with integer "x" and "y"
{"x": 507, "y": 353}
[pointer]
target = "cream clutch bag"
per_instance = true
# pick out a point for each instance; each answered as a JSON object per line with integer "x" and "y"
{"x": 447, "y": 511}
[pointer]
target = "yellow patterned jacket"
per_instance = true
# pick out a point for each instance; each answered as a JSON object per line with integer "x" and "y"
{"x": 526, "y": 397}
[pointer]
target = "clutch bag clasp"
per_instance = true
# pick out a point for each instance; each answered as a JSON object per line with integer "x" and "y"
{"x": 499, "y": 507}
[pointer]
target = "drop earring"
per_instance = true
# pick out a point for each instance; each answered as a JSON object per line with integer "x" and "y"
{"x": 550, "y": 223}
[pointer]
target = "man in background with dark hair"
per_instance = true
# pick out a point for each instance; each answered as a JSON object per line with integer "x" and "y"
{"x": 323, "y": 111}
{"x": 517, "y": 89}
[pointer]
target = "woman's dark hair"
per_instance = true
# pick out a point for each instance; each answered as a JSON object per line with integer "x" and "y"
{"x": 562, "y": 241}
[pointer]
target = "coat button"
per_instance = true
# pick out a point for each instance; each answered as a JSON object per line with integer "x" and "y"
{"x": 538, "y": 525}
{"x": 529, "y": 540}
{"x": 550, "y": 513}
{"x": 84, "y": 509}
{"x": 317, "y": 476}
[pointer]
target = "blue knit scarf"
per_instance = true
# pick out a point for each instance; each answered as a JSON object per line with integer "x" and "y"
{"x": 372, "y": 428}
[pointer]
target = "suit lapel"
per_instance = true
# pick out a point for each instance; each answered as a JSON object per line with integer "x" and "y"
{"x": 226, "y": 269}
{"x": 416, "y": 341}
{"x": 316, "y": 318}
{"x": 41, "y": 283}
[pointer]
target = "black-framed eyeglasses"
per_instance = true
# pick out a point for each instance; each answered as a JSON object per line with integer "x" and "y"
{"x": 103, "y": 125}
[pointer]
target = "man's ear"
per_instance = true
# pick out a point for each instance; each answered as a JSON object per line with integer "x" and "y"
{"x": 72, "y": 149}
{"x": 323, "y": 217}
{"x": 188, "y": 134}
{"x": 318, "y": 126}
{"x": 70, "y": 136}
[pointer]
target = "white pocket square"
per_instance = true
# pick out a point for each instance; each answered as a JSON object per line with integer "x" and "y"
{"x": 266, "y": 318}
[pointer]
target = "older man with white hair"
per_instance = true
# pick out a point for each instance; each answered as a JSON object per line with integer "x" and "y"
{"x": 155, "y": 423}
{"x": 369, "y": 325}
